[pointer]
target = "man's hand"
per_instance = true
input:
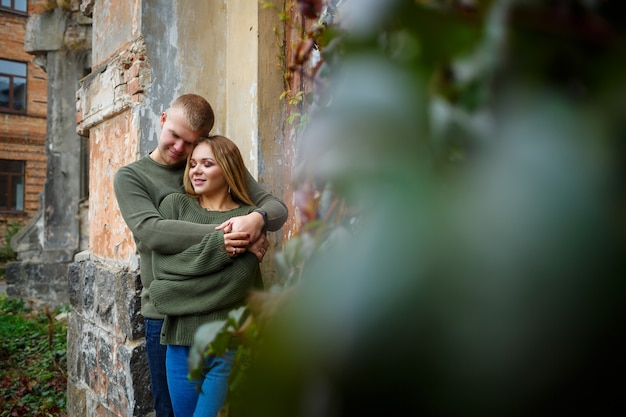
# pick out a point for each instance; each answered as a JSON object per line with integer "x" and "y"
{"x": 252, "y": 224}
{"x": 259, "y": 247}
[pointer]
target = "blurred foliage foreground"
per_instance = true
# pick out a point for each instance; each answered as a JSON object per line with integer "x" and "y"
{"x": 479, "y": 269}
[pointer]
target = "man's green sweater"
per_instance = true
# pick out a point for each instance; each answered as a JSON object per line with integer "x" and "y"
{"x": 202, "y": 283}
{"x": 139, "y": 189}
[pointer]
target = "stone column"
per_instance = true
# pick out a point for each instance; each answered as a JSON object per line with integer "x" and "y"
{"x": 60, "y": 39}
{"x": 107, "y": 369}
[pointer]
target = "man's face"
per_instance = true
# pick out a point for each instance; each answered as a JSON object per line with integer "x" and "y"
{"x": 176, "y": 139}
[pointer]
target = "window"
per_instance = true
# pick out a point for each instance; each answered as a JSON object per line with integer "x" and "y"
{"x": 11, "y": 185}
{"x": 12, "y": 86}
{"x": 13, "y": 5}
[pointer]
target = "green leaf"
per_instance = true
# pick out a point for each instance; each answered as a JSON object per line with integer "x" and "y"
{"x": 204, "y": 336}
{"x": 238, "y": 315}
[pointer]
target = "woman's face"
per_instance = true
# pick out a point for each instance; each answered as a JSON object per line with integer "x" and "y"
{"x": 205, "y": 175}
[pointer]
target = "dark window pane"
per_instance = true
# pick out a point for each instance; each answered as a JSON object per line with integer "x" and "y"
{"x": 4, "y": 91}
{"x": 12, "y": 85}
{"x": 12, "y": 185}
{"x": 17, "y": 193}
{"x": 8, "y": 165}
{"x": 4, "y": 192}
{"x": 19, "y": 93}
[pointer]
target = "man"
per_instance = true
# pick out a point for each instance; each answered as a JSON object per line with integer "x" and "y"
{"x": 141, "y": 186}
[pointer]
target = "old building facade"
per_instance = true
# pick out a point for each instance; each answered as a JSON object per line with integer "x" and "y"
{"x": 114, "y": 67}
{"x": 144, "y": 54}
{"x": 58, "y": 38}
{"x": 23, "y": 102}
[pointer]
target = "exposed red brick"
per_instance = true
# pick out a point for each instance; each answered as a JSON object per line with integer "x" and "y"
{"x": 22, "y": 136}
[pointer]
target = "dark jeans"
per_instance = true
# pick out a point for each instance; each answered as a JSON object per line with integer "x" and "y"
{"x": 156, "y": 362}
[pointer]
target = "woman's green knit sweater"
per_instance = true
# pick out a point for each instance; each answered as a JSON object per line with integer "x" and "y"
{"x": 202, "y": 283}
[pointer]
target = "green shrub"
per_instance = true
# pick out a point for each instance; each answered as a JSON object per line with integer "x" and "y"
{"x": 33, "y": 349}
{"x": 6, "y": 252}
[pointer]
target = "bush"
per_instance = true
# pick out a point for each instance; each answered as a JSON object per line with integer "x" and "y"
{"x": 33, "y": 358}
{"x": 6, "y": 252}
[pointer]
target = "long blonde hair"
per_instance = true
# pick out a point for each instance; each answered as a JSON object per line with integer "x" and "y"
{"x": 228, "y": 158}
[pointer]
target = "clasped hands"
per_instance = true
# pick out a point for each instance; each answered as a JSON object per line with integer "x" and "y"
{"x": 244, "y": 234}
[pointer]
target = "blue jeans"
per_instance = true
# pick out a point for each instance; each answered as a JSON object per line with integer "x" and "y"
{"x": 186, "y": 397}
{"x": 156, "y": 362}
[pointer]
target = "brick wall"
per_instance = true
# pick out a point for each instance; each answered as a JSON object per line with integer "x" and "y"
{"x": 32, "y": 151}
{"x": 22, "y": 137}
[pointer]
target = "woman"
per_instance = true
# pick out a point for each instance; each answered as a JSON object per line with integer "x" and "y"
{"x": 209, "y": 279}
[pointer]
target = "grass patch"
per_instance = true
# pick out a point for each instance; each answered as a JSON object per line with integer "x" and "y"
{"x": 33, "y": 347}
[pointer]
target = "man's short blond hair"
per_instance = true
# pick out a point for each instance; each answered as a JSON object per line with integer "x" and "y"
{"x": 197, "y": 112}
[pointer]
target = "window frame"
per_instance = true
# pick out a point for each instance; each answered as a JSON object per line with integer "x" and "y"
{"x": 10, "y": 188}
{"x": 11, "y": 105}
{"x": 12, "y": 8}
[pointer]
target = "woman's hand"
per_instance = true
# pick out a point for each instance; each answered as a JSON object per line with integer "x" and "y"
{"x": 236, "y": 242}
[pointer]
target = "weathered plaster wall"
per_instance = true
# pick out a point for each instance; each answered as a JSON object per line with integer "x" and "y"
{"x": 107, "y": 103}
{"x": 117, "y": 23}
{"x": 242, "y": 86}
{"x": 271, "y": 141}
{"x": 115, "y": 141}
{"x": 62, "y": 190}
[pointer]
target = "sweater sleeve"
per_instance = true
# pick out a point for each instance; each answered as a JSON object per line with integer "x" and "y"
{"x": 275, "y": 208}
{"x": 203, "y": 275}
{"x": 146, "y": 223}
{"x": 205, "y": 257}
{"x": 200, "y": 259}
{"x": 205, "y": 294}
